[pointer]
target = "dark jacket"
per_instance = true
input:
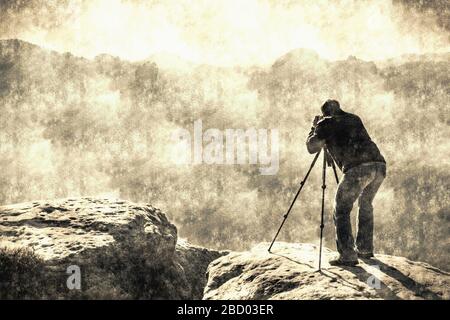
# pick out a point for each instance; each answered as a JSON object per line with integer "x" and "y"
{"x": 346, "y": 139}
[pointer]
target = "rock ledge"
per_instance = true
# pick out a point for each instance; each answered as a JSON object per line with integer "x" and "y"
{"x": 290, "y": 272}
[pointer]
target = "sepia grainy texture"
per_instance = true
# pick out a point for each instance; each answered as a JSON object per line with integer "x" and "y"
{"x": 76, "y": 127}
{"x": 91, "y": 91}
{"x": 229, "y": 32}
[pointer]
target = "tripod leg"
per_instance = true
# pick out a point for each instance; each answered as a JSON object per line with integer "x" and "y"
{"x": 295, "y": 198}
{"x": 333, "y": 165}
{"x": 324, "y": 186}
{"x": 335, "y": 172}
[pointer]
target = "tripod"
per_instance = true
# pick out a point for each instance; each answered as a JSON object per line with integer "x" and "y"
{"x": 327, "y": 159}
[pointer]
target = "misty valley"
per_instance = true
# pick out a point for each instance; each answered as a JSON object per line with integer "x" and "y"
{"x": 104, "y": 127}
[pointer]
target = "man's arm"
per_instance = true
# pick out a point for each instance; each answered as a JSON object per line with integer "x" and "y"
{"x": 313, "y": 143}
{"x": 317, "y": 135}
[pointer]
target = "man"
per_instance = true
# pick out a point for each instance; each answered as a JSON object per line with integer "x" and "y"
{"x": 364, "y": 170}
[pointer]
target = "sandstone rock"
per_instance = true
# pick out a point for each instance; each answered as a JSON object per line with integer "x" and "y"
{"x": 64, "y": 228}
{"x": 290, "y": 272}
{"x": 124, "y": 250}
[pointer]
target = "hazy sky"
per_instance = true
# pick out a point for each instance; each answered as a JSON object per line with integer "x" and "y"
{"x": 223, "y": 32}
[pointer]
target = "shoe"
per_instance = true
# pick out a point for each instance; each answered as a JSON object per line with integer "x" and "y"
{"x": 365, "y": 255}
{"x": 341, "y": 262}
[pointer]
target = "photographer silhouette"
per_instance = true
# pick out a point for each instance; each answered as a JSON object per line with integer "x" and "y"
{"x": 364, "y": 168}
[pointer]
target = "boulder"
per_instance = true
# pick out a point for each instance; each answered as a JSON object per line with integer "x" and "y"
{"x": 291, "y": 272}
{"x": 120, "y": 250}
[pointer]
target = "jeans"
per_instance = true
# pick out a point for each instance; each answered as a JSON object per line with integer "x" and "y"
{"x": 362, "y": 181}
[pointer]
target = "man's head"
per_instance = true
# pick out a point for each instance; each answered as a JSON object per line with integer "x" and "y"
{"x": 330, "y": 108}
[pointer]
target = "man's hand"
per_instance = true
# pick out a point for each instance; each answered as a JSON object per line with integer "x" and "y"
{"x": 313, "y": 143}
{"x": 316, "y": 119}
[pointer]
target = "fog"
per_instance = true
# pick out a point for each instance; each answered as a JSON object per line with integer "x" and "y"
{"x": 77, "y": 125}
{"x": 229, "y": 32}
